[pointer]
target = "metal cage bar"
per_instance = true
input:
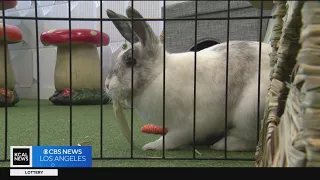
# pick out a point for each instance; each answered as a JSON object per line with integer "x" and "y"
{"x": 132, "y": 34}
{"x": 101, "y": 20}
{"x": 164, "y": 80}
{"x": 259, "y": 71}
{"x": 226, "y": 85}
{"x": 101, "y": 81}
{"x": 70, "y": 70}
{"x": 136, "y": 19}
{"x": 38, "y": 71}
{"x": 5, "y": 85}
{"x": 195, "y": 79}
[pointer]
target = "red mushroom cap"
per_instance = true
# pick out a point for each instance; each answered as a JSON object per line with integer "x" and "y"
{"x": 14, "y": 34}
{"x": 78, "y": 36}
{"x": 8, "y": 4}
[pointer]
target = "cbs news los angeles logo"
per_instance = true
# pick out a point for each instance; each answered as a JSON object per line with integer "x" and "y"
{"x": 48, "y": 156}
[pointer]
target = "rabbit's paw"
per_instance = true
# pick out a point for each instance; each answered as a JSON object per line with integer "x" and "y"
{"x": 218, "y": 146}
{"x": 155, "y": 145}
{"x": 170, "y": 143}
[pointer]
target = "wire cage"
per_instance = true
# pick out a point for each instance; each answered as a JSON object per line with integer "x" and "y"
{"x": 289, "y": 105}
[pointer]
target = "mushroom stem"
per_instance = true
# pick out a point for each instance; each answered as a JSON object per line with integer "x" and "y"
{"x": 10, "y": 75}
{"x": 85, "y": 67}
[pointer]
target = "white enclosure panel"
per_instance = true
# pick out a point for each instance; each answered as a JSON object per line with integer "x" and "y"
{"x": 47, "y": 3}
{"x": 106, "y": 60}
{"x": 107, "y": 26}
{"x": 22, "y": 64}
{"x": 47, "y": 62}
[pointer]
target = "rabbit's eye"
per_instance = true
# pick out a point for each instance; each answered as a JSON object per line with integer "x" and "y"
{"x": 131, "y": 62}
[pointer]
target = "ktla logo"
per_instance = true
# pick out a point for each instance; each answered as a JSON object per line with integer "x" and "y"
{"x": 21, "y": 156}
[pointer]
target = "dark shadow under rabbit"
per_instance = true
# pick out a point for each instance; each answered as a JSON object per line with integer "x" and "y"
{"x": 148, "y": 77}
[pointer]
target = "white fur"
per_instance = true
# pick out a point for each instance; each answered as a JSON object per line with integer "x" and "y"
{"x": 210, "y": 95}
{"x": 210, "y": 98}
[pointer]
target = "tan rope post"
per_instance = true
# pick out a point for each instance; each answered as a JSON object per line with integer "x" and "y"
{"x": 287, "y": 53}
{"x": 277, "y": 31}
{"x": 283, "y": 60}
{"x": 300, "y": 123}
{"x": 309, "y": 71}
{"x": 271, "y": 104}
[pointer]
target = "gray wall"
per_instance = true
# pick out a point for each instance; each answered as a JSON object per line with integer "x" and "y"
{"x": 180, "y": 34}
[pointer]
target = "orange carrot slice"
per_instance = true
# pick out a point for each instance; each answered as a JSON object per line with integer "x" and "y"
{"x": 153, "y": 129}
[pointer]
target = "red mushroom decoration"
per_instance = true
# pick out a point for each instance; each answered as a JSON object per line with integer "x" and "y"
{"x": 13, "y": 35}
{"x": 85, "y": 58}
{"x": 10, "y": 95}
{"x": 153, "y": 129}
{"x": 66, "y": 92}
{"x": 8, "y": 4}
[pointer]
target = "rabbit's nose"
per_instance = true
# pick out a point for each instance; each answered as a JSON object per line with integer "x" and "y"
{"x": 107, "y": 86}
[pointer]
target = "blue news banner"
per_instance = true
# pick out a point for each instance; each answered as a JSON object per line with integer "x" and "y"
{"x": 61, "y": 156}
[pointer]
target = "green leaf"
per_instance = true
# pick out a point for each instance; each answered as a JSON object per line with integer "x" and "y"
{"x": 124, "y": 46}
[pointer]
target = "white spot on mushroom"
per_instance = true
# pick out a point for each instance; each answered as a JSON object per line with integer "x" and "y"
{"x": 93, "y": 33}
{"x": 51, "y": 31}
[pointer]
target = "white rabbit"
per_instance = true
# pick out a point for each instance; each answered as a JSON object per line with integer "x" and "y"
{"x": 179, "y": 87}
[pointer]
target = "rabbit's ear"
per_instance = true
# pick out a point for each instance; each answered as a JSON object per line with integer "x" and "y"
{"x": 124, "y": 27}
{"x": 143, "y": 30}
